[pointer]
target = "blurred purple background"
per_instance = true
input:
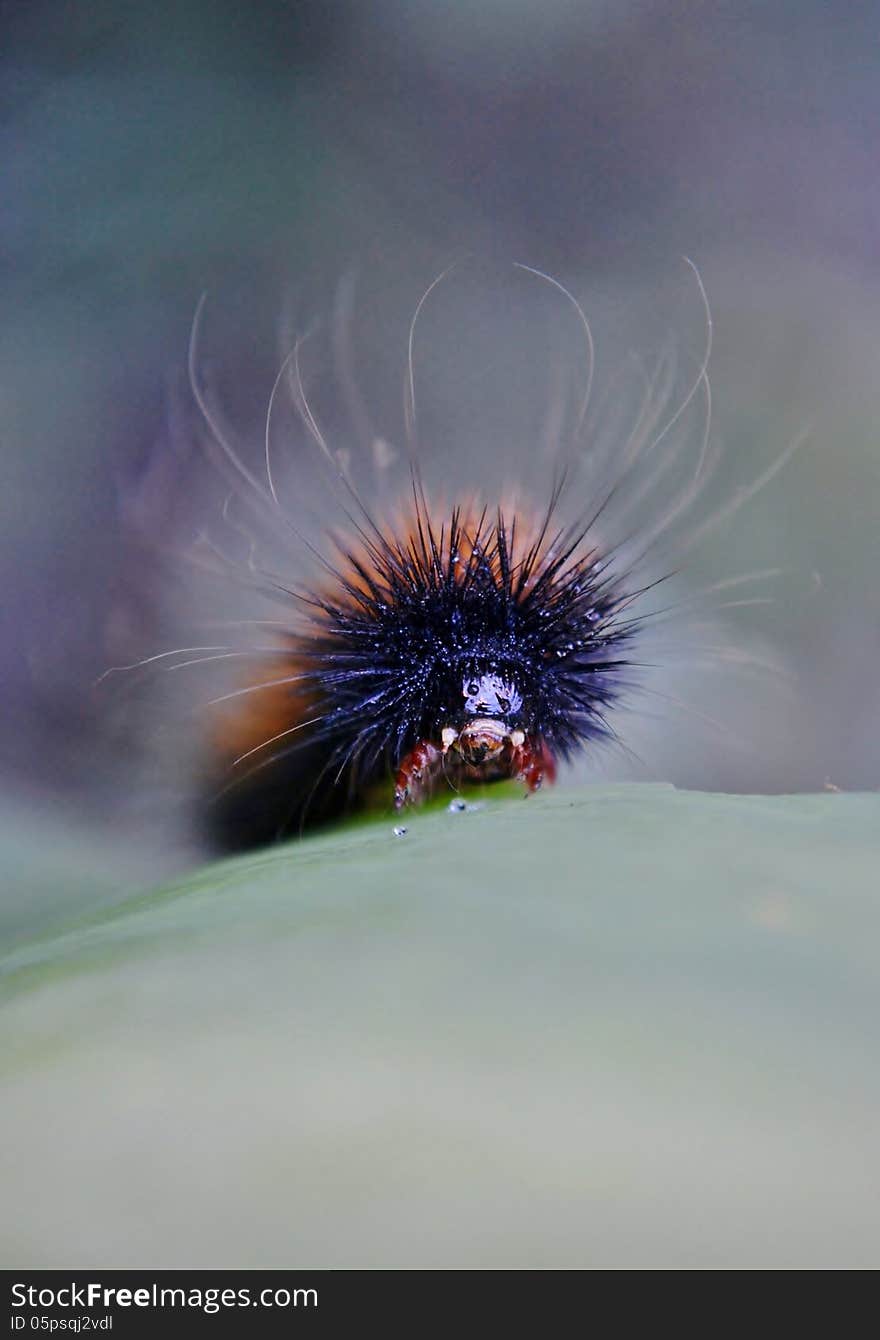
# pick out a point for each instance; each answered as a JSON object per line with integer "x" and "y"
{"x": 263, "y": 153}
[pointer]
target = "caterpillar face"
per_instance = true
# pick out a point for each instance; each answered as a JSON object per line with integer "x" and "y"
{"x": 492, "y": 706}
{"x": 489, "y": 695}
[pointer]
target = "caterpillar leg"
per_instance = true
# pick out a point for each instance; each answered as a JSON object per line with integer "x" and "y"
{"x": 416, "y": 774}
{"x": 533, "y": 764}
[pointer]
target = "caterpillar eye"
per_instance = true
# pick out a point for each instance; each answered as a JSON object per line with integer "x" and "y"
{"x": 473, "y": 688}
{"x": 504, "y": 704}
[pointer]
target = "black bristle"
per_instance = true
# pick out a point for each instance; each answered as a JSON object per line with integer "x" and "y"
{"x": 390, "y": 645}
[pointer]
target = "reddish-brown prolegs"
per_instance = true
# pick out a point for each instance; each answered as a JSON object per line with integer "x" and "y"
{"x": 527, "y": 759}
{"x": 416, "y": 774}
{"x": 533, "y": 763}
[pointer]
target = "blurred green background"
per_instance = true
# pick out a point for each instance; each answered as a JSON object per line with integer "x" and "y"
{"x": 613, "y": 1027}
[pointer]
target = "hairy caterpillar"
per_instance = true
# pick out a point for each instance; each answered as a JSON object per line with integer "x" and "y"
{"x": 441, "y": 643}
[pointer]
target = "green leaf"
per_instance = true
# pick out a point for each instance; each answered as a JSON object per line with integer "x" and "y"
{"x": 614, "y": 1026}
